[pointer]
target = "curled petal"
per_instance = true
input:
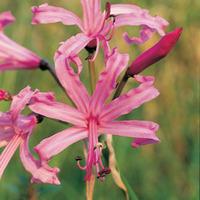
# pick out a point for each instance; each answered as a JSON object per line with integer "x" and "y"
{"x": 131, "y": 100}
{"x": 41, "y": 173}
{"x": 132, "y": 15}
{"x": 71, "y": 47}
{"x": 45, "y": 14}
{"x": 145, "y": 34}
{"x": 72, "y": 84}
{"x": 53, "y": 145}
{"x": 20, "y": 101}
{"x": 140, "y": 130}
{"x": 107, "y": 81}
{"x": 5, "y": 19}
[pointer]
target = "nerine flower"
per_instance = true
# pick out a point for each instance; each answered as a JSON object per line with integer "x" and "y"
{"x": 98, "y": 26}
{"x": 15, "y": 130}
{"x": 13, "y": 55}
{"x": 93, "y": 116}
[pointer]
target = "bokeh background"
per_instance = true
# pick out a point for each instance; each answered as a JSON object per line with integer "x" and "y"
{"x": 169, "y": 170}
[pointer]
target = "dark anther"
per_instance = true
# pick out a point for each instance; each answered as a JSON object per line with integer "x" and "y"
{"x": 39, "y": 118}
{"x": 91, "y": 49}
{"x": 104, "y": 172}
{"x": 78, "y": 158}
{"x": 113, "y": 17}
{"x": 44, "y": 65}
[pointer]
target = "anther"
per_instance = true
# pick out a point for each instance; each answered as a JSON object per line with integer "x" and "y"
{"x": 78, "y": 158}
{"x": 39, "y": 118}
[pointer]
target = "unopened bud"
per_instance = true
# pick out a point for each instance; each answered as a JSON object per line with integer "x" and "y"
{"x": 155, "y": 53}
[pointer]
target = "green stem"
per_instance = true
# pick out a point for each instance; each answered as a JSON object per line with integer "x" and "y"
{"x": 92, "y": 73}
{"x": 121, "y": 85}
{"x": 44, "y": 65}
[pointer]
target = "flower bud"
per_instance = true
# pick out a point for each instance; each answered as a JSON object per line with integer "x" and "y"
{"x": 155, "y": 53}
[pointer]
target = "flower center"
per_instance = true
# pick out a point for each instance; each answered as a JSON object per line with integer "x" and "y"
{"x": 94, "y": 162}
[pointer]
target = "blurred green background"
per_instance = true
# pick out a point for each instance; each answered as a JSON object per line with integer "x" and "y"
{"x": 168, "y": 170}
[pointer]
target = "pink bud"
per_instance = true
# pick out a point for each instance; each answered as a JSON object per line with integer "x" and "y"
{"x": 4, "y": 95}
{"x": 155, "y": 53}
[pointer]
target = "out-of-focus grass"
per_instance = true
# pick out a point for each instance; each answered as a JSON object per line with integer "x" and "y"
{"x": 168, "y": 170}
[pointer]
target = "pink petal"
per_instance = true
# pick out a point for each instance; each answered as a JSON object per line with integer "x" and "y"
{"x": 92, "y": 156}
{"x": 135, "y": 16}
{"x": 59, "y": 111}
{"x": 145, "y": 34}
{"x": 131, "y": 100}
{"x": 140, "y": 130}
{"x": 106, "y": 50}
{"x": 71, "y": 47}
{"x": 53, "y": 145}
{"x": 45, "y": 14}
{"x": 93, "y": 19}
{"x": 8, "y": 152}
{"x": 6, "y": 18}
{"x": 107, "y": 81}
{"x": 14, "y": 56}
{"x": 72, "y": 84}
{"x": 41, "y": 173}
{"x": 155, "y": 53}
{"x": 20, "y": 101}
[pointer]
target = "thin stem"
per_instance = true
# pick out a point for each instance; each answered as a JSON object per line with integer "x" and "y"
{"x": 92, "y": 73}
{"x": 111, "y": 158}
{"x": 121, "y": 85}
{"x": 44, "y": 65}
{"x": 91, "y": 183}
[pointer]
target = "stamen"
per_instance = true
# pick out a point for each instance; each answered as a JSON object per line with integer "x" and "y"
{"x": 103, "y": 173}
{"x": 78, "y": 159}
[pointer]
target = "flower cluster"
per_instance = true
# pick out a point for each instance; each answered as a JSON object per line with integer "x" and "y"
{"x": 93, "y": 115}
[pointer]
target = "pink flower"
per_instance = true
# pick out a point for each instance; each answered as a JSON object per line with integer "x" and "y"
{"x": 155, "y": 53}
{"x": 13, "y": 55}
{"x": 15, "y": 130}
{"x": 93, "y": 116}
{"x": 97, "y": 26}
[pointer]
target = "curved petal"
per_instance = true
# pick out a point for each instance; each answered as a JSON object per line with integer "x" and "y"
{"x": 44, "y": 14}
{"x": 8, "y": 152}
{"x": 145, "y": 34}
{"x": 140, "y": 130}
{"x": 20, "y": 101}
{"x": 6, "y": 18}
{"x": 59, "y": 111}
{"x": 71, "y": 47}
{"x": 72, "y": 84}
{"x": 41, "y": 173}
{"x": 107, "y": 81}
{"x": 131, "y": 100}
{"x": 133, "y": 15}
{"x": 53, "y": 145}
